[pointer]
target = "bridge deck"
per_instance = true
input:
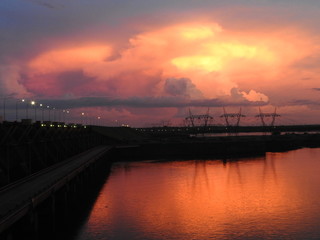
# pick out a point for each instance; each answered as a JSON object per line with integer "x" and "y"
{"x": 16, "y": 199}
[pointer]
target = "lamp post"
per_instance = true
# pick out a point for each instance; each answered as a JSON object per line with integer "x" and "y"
{"x": 48, "y": 107}
{"x": 98, "y": 120}
{"x": 54, "y": 114}
{"x": 41, "y": 106}
{"x": 33, "y": 103}
{"x": 17, "y": 110}
{"x": 64, "y": 115}
{"x": 82, "y": 118}
{"x": 67, "y": 112}
{"x": 23, "y": 100}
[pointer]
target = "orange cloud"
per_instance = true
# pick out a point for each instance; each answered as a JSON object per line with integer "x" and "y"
{"x": 69, "y": 58}
{"x": 214, "y": 59}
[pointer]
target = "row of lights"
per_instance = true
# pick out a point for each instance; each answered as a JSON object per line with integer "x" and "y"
{"x": 34, "y": 104}
{"x": 64, "y": 111}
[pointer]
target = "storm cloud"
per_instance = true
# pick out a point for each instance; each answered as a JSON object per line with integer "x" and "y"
{"x": 128, "y": 56}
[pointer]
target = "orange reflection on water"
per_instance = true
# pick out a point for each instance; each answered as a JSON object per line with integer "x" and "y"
{"x": 208, "y": 199}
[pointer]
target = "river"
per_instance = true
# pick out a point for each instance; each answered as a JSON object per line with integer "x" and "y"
{"x": 272, "y": 197}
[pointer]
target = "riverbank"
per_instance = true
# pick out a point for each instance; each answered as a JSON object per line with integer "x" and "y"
{"x": 214, "y": 147}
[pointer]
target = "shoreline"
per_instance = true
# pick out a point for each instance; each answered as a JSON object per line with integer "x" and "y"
{"x": 213, "y": 147}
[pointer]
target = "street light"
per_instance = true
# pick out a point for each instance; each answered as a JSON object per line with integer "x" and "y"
{"x": 33, "y": 103}
{"x": 82, "y": 118}
{"x": 41, "y": 111}
{"x": 66, "y": 115}
{"x": 48, "y": 107}
{"x": 54, "y": 114}
{"x": 22, "y": 100}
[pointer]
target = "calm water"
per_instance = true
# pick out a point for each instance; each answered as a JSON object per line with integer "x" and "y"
{"x": 272, "y": 197}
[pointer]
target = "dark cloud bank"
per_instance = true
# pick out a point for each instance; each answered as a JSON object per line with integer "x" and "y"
{"x": 146, "y": 102}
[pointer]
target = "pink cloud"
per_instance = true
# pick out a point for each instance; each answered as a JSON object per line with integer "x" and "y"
{"x": 214, "y": 59}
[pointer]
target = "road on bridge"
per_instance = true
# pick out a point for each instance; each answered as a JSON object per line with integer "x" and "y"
{"x": 17, "y": 198}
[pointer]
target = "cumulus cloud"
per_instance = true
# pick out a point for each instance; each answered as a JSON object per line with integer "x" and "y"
{"x": 181, "y": 87}
{"x": 254, "y": 96}
{"x": 73, "y": 83}
{"x": 194, "y": 61}
{"x": 160, "y": 61}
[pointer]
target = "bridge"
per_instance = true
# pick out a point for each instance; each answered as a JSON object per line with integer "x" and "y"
{"x": 28, "y": 148}
{"x": 45, "y": 168}
{"x": 41, "y": 163}
{"x": 21, "y": 202}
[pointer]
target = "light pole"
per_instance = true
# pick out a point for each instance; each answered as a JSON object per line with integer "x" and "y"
{"x": 82, "y": 118}
{"x": 23, "y": 100}
{"x": 59, "y": 116}
{"x": 99, "y": 120}
{"x": 41, "y": 106}
{"x": 54, "y": 114}
{"x": 48, "y": 107}
{"x": 64, "y": 115}
{"x": 67, "y": 112}
{"x": 17, "y": 101}
{"x": 33, "y": 103}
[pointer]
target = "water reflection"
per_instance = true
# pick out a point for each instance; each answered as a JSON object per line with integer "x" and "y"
{"x": 274, "y": 197}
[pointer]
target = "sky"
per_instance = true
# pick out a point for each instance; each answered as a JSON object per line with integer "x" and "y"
{"x": 146, "y": 62}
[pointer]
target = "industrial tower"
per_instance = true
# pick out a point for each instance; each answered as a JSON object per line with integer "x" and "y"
{"x": 198, "y": 120}
{"x": 273, "y": 117}
{"x": 230, "y": 117}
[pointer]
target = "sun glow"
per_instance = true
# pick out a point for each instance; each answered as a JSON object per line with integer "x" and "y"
{"x": 205, "y": 63}
{"x": 235, "y": 50}
{"x": 221, "y": 54}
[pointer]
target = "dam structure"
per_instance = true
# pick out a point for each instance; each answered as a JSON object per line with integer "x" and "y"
{"x": 47, "y": 170}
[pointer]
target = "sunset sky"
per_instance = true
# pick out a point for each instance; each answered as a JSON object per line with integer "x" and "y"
{"x": 142, "y": 62}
